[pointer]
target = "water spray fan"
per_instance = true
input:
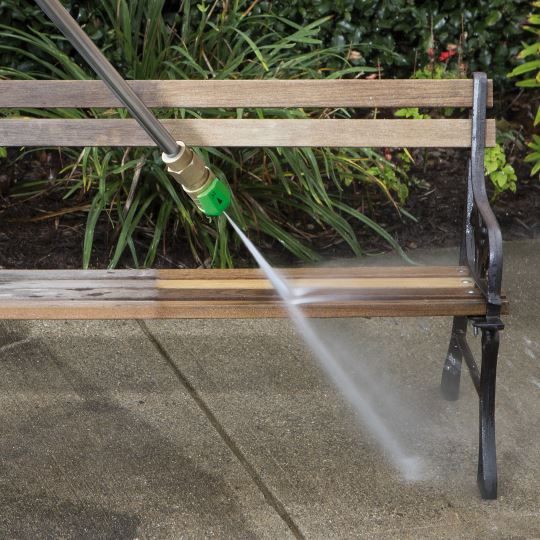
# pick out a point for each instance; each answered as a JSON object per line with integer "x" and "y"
{"x": 209, "y": 193}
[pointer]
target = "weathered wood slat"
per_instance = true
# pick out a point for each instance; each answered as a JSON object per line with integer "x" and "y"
{"x": 246, "y": 93}
{"x": 83, "y": 284}
{"x": 246, "y": 133}
{"x": 32, "y": 275}
{"x": 339, "y": 292}
{"x": 236, "y": 273}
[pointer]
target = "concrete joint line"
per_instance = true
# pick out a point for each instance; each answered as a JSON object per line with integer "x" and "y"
{"x": 270, "y": 498}
{"x": 14, "y": 344}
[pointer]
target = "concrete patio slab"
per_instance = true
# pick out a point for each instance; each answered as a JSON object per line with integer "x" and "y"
{"x": 99, "y": 440}
{"x": 269, "y": 393}
{"x": 198, "y": 428}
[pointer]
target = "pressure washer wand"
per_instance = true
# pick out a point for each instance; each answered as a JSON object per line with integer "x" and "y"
{"x": 210, "y": 194}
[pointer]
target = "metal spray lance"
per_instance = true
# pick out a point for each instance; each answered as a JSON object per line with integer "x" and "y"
{"x": 210, "y": 194}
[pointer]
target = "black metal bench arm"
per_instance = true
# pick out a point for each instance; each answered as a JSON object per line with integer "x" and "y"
{"x": 481, "y": 251}
{"x": 483, "y": 238}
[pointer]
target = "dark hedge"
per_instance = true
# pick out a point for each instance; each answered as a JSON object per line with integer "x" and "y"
{"x": 492, "y": 27}
{"x": 395, "y": 32}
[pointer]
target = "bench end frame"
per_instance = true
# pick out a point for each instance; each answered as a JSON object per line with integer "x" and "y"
{"x": 482, "y": 251}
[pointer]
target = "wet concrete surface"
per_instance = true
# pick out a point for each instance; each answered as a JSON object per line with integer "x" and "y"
{"x": 229, "y": 428}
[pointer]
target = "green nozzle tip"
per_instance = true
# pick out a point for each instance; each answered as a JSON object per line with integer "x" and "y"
{"x": 215, "y": 199}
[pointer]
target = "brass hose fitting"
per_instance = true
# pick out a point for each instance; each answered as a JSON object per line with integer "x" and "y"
{"x": 210, "y": 194}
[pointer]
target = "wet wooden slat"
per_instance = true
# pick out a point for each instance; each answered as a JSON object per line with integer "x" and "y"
{"x": 246, "y": 93}
{"x": 350, "y": 283}
{"x": 324, "y": 296}
{"x": 317, "y": 272}
{"x": 226, "y": 310}
{"x": 246, "y": 133}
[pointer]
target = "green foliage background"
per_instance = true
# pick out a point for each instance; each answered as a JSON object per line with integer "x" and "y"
{"x": 294, "y": 196}
{"x": 398, "y": 30}
{"x": 529, "y": 73}
{"x": 282, "y": 193}
{"x": 492, "y": 27}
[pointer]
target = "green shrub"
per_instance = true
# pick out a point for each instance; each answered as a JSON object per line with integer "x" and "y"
{"x": 24, "y": 14}
{"x": 530, "y": 71}
{"x": 396, "y": 33}
{"x": 502, "y": 174}
{"x": 534, "y": 156}
{"x": 404, "y": 27}
{"x": 276, "y": 189}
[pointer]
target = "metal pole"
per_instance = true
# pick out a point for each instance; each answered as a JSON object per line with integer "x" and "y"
{"x": 97, "y": 61}
{"x": 211, "y": 194}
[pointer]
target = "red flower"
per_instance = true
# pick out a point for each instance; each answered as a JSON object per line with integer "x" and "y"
{"x": 446, "y": 55}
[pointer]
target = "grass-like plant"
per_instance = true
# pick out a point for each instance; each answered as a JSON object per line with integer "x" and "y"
{"x": 529, "y": 71}
{"x": 274, "y": 188}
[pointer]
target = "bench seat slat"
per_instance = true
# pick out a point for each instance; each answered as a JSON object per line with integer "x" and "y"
{"x": 246, "y": 93}
{"x": 236, "y": 273}
{"x": 81, "y": 310}
{"x": 237, "y": 294}
{"x": 246, "y": 133}
{"x": 232, "y": 283}
{"x": 74, "y": 294}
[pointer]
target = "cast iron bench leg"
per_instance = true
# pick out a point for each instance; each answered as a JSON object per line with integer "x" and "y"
{"x": 487, "y": 456}
{"x": 452, "y": 365}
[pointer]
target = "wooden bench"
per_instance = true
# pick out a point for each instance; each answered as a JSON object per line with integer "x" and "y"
{"x": 469, "y": 291}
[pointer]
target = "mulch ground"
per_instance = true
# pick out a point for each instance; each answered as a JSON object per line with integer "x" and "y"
{"x": 27, "y": 242}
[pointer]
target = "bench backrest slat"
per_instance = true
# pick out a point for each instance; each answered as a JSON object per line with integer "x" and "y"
{"x": 246, "y": 133}
{"x": 443, "y": 133}
{"x": 246, "y": 93}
